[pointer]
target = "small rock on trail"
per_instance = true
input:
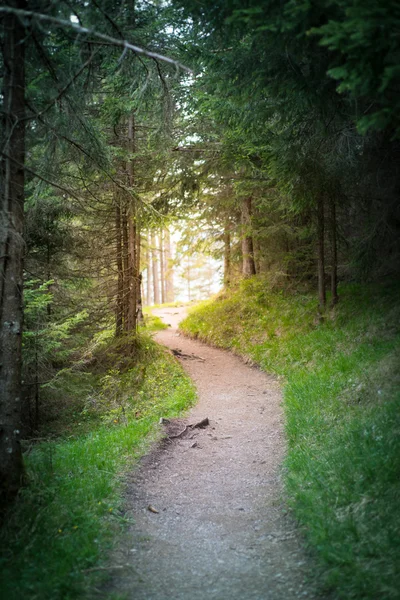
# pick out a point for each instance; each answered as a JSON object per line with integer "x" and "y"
{"x": 218, "y": 530}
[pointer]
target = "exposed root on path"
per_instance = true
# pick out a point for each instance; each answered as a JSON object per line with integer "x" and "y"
{"x": 200, "y": 425}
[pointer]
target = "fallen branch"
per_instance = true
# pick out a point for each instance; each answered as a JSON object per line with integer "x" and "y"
{"x": 177, "y": 352}
{"x": 200, "y": 425}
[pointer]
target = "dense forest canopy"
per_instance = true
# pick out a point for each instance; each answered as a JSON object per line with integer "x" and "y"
{"x": 272, "y": 127}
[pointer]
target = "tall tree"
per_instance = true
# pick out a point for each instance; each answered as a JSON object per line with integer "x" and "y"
{"x": 169, "y": 274}
{"x": 249, "y": 267}
{"x": 12, "y": 189}
{"x": 227, "y": 255}
{"x": 162, "y": 267}
{"x": 73, "y": 49}
{"x": 155, "y": 269}
{"x": 148, "y": 271}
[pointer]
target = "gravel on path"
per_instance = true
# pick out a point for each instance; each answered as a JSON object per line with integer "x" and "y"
{"x": 221, "y": 531}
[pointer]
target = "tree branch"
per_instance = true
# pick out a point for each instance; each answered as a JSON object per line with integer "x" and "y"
{"x": 84, "y": 30}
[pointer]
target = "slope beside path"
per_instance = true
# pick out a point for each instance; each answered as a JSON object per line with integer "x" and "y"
{"x": 221, "y": 531}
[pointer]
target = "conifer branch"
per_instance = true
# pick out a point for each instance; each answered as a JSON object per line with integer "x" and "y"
{"x": 71, "y": 193}
{"x": 23, "y": 14}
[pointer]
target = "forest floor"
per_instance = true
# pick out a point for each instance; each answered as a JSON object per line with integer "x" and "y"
{"x": 221, "y": 530}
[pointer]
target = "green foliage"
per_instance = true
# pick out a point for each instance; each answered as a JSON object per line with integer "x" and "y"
{"x": 341, "y": 391}
{"x": 363, "y": 37}
{"x": 51, "y": 344}
{"x": 65, "y": 519}
{"x": 293, "y": 89}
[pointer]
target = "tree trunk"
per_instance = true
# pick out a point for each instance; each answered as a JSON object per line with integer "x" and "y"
{"x": 11, "y": 252}
{"x": 189, "y": 278}
{"x": 132, "y": 261}
{"x": 120, "y": 274}
{"x": 321, "y": 253}
{"x": 227, "y": 255}
{"x": 249, "y": 267}
{"x": 169, "y": 282}
{"x": 333, "y": 236}
{"x": 125, "y": 262}
{"x": 257, "y": 255}
{"x": 139, "y": 304}
{"x": 133, "y": 275}
{"x": 148, "y": 263}
{"x": 162, "y": 265}
{"x": 156, "y": 278}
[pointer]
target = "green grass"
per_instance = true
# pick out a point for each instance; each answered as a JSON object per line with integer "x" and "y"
{"x": 152, "y": 322}
{"x": 342, "y": 402}
{"x": 67, "y": 517}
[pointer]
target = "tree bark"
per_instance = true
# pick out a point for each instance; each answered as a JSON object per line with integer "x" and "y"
{"x": 162, "y": 267}
{"x": 189, "y": 278}
{"x": 156, "y": 278}
{"x": 333, "y": 236}
{"x": 125, "y": 262}
{"x": 139, "y": 279}
{"x": 321, "y": 253}
{"x": 169, "y": 274}
{"x": 256, "y": 253}
{"x": 249, "y": 267}
{"x": 120, "y": 274}
{"x": 133, "y": 275}
{"x": 148, "y": 263}
{"x": 227, "y": 255}
{"x": 11, "y": 252}
{"x": 132, "y": 260}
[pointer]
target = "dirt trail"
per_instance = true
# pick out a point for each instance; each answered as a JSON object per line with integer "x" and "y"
{"x": 221, "y": 532}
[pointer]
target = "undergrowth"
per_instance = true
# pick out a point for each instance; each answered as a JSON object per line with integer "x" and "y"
{"x": 62, "y": 527}
{"x": 342, "y": 401}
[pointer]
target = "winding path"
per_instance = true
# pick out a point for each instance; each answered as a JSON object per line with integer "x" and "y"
{"x": 221, "y": 532}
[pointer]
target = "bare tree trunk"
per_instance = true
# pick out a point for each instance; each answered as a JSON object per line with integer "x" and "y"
{"x": 132, "y": 230}
{"x": 156, "y": 278}
{"x": 333, "y": 236}
{"x": 162, "y": 265}
{"x": 257, "y": 255}
{"x": 148, "y": 263}
{"x": 189, "y": 278}
{"x": 132, "y": 299}
{"x": 36, "y": 385}
{"x": 139, "y": 304}
{"x": 249, "y": 267}
{"x": 125, "y": 262}
{"x": 321, "y": 253}
{"x": 143, "y": 288}
{"x": 227, "y": 254}
{"x": 169, "y": 282}
{"x": 120, "y": 280}
{"x": 11, "y": 252}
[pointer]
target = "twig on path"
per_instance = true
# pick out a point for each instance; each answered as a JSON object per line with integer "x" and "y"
{"x": 173, "y": 437}
{"x": 200, "y": 425}
{"x": 177, "y": 352}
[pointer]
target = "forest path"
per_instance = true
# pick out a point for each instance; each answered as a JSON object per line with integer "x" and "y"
{"x": 221, "y": 532}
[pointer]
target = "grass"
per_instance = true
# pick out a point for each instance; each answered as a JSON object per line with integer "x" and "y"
{"x": 66, "y": 519}
{"x": 342, "y": 402}
{"x": 152, "y": 322}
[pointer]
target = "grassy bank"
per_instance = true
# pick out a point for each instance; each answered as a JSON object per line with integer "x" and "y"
{"x": 66, "y": 518}
{"x": 342, "y": 401}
